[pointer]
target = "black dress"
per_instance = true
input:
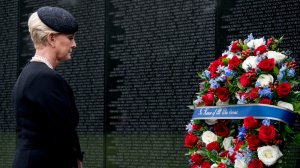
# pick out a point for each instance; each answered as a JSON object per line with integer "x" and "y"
{"x": 46, "y": 118}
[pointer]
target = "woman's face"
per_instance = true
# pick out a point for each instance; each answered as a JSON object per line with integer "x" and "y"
{"x": 64, "y": 45}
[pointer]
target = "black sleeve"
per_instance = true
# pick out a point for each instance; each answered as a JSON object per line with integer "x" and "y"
{"x": 53, "y": 95}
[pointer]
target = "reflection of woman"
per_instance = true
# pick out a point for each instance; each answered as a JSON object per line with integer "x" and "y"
{"x": 46, "y": 114}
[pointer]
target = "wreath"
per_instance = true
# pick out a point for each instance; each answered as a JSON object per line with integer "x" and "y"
{"x": 252, "y": 72}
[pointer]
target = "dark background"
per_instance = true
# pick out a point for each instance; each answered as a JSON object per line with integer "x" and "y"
{"x": 134, "y": 71}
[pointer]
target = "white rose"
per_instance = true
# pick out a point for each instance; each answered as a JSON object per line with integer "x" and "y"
{"x": 208, "y": 137}
{"x": 230, "y": 55}
{"x": 227, "y": 143}
{"x": 269, "y": 154}
{"x": 214, "y": 166}
{"x": 211, "y": 121}
{"x": 249, "y": 62}
{"x": 240, "y": 164}
{"x": 265, "y": 79}
{"x": 256, "y": 43}
{"x": 220, "y": 103}
{"x": 286, "y": 105}
{"x": 278, "y": 57}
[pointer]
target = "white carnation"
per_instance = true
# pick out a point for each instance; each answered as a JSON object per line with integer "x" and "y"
{"x": 269, "y": 154}
{"x": 227, "y": 143}
{"x": 265, "y": 79}
{"x": 211, "y": 121}
{"x": 220, "y": 103}
{"x": 256, "y": 43}
{"x": 214, "y": 166}
{"x": 208, "y": 137}
{"x": 278, "y": 57}
{"x": 251, "y": 62}
{"x": 240, "y": 164}
{"x": 285, "y": 105}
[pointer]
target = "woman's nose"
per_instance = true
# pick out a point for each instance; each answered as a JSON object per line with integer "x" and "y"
{"x": 74, "y": 44}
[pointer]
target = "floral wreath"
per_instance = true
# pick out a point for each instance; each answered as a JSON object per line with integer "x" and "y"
{"x": 252, "y": 71}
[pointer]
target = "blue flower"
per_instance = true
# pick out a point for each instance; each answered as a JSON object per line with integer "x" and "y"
{"x": 207, "y": 74}
{"x": 242, "y": 100}
{"x": 242, "y": 133}
{"x": 189, "y": 127}
{"x": 283, "y": 68}
{"x": 280, "y": 76}
{"x": 214, "y": 84}
{"x": 266, "y": 122}
{"x": 221, "y": 78}
{"x": 250, "y": 37}
{"x": 257, "y": 84}
{"x": 198, "y": 100}
{"x": 228, "y": 72}
{"x": 258, "y": 59}
{"x": 220, "y": 69}
{"x": 291, "y": 72}
{"x": 265, "y": 92}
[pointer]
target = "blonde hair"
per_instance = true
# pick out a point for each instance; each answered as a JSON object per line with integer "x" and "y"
{"x": 38, "y": 31}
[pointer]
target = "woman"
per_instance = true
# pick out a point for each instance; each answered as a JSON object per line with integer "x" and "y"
{"x": 46, "y": 115}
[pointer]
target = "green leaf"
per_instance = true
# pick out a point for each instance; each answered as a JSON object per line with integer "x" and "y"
{"x": 288, "y": 129}
{"x": 296, "y": 106}
{"x": 197, "y": 121}
{"x": 192, "y": 150}
{"x": 276, "y": 70}
{"x": 245, "y": 47}
{"x": 225, "y": 61}
{"x": 199, "y": 74}
{"x": 297, "y": 139}
{"x": 191, "y": 107}
{"x": 239, "y": 85}
{"x": 280, "y": 40}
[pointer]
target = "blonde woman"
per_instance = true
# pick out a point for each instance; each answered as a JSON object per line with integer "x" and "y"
{"x": 46, "y": 115}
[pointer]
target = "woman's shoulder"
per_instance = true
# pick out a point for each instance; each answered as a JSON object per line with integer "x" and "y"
{"x": 40, "y": 72}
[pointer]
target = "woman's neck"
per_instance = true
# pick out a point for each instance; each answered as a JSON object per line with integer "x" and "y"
{"x": 47, "y": 56}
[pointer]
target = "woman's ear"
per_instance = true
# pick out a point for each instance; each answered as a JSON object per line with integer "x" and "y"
{"x": 51, "y": 39}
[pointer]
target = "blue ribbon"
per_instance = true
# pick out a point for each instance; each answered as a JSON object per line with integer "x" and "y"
{"x": 258, "y": 111}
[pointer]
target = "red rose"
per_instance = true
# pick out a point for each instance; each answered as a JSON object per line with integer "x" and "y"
{"x": 196, "y": 127}
{"x": 270, "y": 42}
{"x": 208, "y": 99}
{"x": 267, "y": 64}
{"x": 224, "y": 154}
{"x": 213, "y": 146}
{"x": 234, "y": 62}
{"x": 238, "y": 145}
{"x": 284, "y": 89}
{"x": 235, "y": 47}
{"x": 206, "y": 165}
{"x": 247, "y": 79}
{"x": 253, "y": 94}
{"x": 267, "y": 133}
{"x": 232, "y": 157}
{"x": 265, "y": 101}
{"x": 221, "y": 130}
{"x": 221, "y": 165}
{"x": 199, "y": 145}
{"x": 195, "y": 166}
{"x": 213, "y": 67}
{"x": 250, "y": 122}
{"x": 197, "y": 159}
{"x": 190, "y": 140}
{"x": 254, "y": 142}
{"x": 222, "y": 93}
{"x": 256, "y": 163}
{"x": 260, "y": 50}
